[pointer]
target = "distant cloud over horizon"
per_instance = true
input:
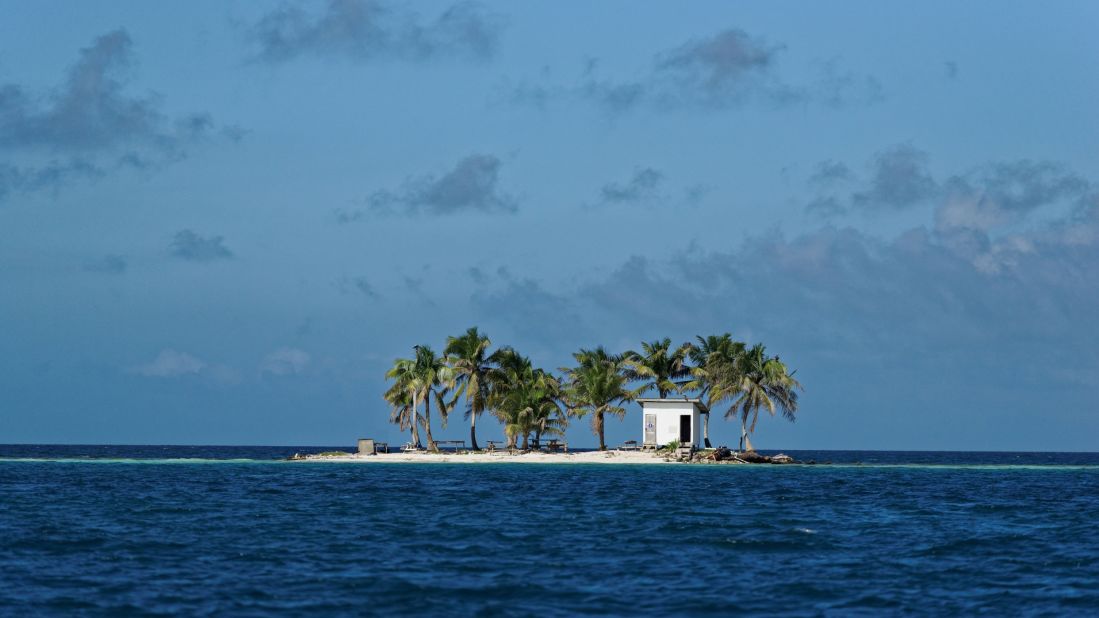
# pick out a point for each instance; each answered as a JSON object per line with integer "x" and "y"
{"x": 641, "y": 186}
{"x": 725, "y": 70}
{"x": 170, "y": 363}
{"x": 111, "y": 264}
{"x": 941, "y": 293}
{"x": 471, "y": 186}
{"x": 358, "y": 284}
{"x": 362, "y": 30}
{"x": 899, "y": 178}
{"x": 534, "y": 312}
{"x": 984, "y": 197}
{"x": 719, "y": 70}
{"x": 174, "y": 364}
{"x": 188, "y": 245}
{"x": 285, "y": 361}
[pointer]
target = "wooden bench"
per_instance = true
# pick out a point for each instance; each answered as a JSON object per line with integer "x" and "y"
{"x": 629, "y": 445}
{"x": 454, "y": 444}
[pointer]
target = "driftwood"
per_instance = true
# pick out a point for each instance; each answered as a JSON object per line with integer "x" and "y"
{"x": 723, "y": 453}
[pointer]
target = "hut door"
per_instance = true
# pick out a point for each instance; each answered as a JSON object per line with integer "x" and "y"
{"x": 650, "y": 429}
{"x": 685, "y": 429}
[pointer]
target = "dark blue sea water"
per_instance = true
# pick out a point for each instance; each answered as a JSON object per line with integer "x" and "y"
{"x": 233, "y": 531}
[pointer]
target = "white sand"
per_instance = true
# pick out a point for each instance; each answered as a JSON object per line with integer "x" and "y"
{"x": 592, "y": 457}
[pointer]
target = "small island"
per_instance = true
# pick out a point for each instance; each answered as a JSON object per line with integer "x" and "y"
{"x": 535, "y": 405}
{"x": 616, "y": 456}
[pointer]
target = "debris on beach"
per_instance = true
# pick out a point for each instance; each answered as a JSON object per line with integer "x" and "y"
{"x": 724, "y": 454}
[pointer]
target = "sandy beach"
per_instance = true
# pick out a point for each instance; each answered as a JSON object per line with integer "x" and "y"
{"x": 587, "y": 457}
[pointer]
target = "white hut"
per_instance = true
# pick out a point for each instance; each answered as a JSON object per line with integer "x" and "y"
{"x": 668, "y": 420}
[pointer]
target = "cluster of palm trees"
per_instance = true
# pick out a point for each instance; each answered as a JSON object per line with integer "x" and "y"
{"x": 533, "y": 403}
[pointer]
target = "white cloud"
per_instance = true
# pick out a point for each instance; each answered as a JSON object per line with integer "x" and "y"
{"x": 169, "y": 364}
{"x": 285, "y": 361}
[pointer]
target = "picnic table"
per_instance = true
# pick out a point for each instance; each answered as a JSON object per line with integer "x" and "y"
{"x": 556, "y": 445}
{"x": 454, "y": 444}
{"x": 629, "y": 445}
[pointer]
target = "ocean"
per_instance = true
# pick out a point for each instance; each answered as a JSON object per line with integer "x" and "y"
{"x": 148, "y": 530}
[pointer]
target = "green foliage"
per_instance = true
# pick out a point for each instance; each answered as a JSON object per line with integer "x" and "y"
{"x": 598, "y": 385}
{"x": 468, "y": 357}
{"x": 729, "y": 371}
{"x": 658, "y": 366}
{"x": 473, "y": 366}
{"x": 422, "y": 379}
{"x": 525, "y": 399}
{"x": 763, "y": 383}
{"x": 715, "y": 358}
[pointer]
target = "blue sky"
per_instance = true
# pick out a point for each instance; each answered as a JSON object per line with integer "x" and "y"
{"x": 220, "y": 222}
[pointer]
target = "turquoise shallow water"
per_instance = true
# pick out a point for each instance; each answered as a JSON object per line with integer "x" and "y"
{"x": 141, "y": 531}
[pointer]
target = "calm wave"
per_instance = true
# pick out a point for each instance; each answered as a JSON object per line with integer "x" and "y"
{"x": 86, "y": 530}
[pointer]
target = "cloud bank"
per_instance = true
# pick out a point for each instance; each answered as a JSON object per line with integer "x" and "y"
{"x": 725, "y": 70}
{"x": 90, "y": 123}
{"x": 899, "y": 178}
{"x": 363, "y": 30}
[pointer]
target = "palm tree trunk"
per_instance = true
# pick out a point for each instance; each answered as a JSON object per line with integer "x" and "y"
{"x": 706, "y": 430}
{"x": 473, "y": 431}
{"x": 598, "y": 421}
{"x": 525, "y": 436}
{"x": 743, "y": 432}
{"x": 415, "y": 413}
{"x": 431, "y": 446}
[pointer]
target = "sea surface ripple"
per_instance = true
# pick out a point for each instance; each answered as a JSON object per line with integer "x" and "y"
{"x": 140, "y": 536}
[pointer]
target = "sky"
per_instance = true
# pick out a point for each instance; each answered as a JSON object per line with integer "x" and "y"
{"x": 221, "y": 222}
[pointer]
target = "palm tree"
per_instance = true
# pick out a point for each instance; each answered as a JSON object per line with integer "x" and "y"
{"x": 715, "y": 360}
{"x": 403, "y": 397}
{"x": 436, "y": 378}
{"x": 425, "y": 377}
{"x": 658, "y": 366}
{"x": 472, "y": 367}
{"x": 762, "y": 383}
{"x": 533, "y": 408}
{"x": 598, "y": 385}
{"x": 525, "y": 399}
{"x": 501, "y": 379}
{"x": 545, "y": 401}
